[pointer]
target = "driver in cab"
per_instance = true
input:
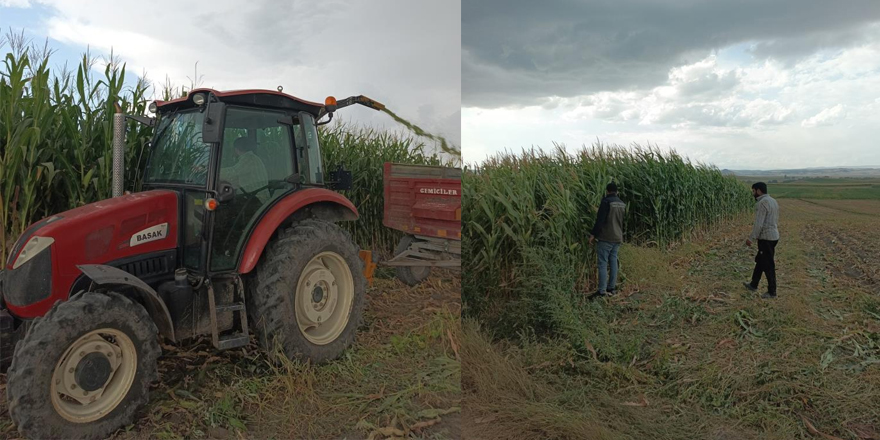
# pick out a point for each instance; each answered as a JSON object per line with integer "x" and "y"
{"x": 248, "y": 174}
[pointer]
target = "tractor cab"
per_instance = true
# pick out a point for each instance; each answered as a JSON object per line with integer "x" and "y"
{"x": 230, "y": 156}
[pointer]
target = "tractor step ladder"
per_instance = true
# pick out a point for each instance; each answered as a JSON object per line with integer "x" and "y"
{"x": 238, "y": 338}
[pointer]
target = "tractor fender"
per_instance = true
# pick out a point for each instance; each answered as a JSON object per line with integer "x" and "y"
{"x": 108, "y": 275}
{"x": 308, "y": 203}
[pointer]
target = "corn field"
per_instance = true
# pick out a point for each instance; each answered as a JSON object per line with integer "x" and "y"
{"x": 56, "y": 132}
{"x": 515, "y": 204}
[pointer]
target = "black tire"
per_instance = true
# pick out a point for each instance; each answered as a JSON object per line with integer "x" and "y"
{"x": 410, "y": 275}
{"x": 36, "y": 355}
{"x": 271, "y": 292}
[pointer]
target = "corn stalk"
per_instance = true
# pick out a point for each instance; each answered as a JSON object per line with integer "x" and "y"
{"x": 513, "y": 203}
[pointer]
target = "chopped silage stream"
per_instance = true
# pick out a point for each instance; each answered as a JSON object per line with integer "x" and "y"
{"x": 445, "y": 146}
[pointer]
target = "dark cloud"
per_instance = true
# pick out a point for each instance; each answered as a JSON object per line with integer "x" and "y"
{"x": 791, "y": 49}
{"x": 520, "y": 52}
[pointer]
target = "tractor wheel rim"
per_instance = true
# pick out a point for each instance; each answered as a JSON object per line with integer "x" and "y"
{"x": 324, "y": 296}
{"x": 78, "y": 405}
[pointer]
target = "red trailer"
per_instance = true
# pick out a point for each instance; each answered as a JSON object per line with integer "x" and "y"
{"x": 424, "y": 202}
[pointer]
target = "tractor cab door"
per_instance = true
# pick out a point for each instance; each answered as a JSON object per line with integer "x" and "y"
{"x": 256, "y": 158}
{"x": 180, "y": 161}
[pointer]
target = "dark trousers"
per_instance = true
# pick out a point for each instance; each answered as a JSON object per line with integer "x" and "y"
{"x": 765, "y": 264}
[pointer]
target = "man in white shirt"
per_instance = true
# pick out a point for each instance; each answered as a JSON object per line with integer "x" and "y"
{"x": 766, "y": 233}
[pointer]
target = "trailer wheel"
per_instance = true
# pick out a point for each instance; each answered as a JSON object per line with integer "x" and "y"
{"x": 411, "y": 275}
{"x": 84, "y": 369}
{"x": 309, "y": 292}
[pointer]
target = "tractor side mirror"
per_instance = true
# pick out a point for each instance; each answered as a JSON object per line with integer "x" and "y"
{"x": 212, "y": 129}
{"x": 149, "y": 122}
{"x": 225, "y": 192}
{"x": 339, "y": 180}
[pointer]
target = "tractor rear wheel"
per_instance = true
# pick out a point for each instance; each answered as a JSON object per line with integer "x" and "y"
{"x": 309, "y": 291}
{"x": 84, "y": 369}
{"x": 411, "y": 275}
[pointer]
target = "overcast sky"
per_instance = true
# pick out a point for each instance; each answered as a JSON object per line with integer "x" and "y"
{"x": 751, "y": 84}
{"x": 404, "y": 54}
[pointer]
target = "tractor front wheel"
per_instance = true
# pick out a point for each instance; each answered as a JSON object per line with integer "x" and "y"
{"x": 84, "y": 369}
{"x": 308, "y": 292}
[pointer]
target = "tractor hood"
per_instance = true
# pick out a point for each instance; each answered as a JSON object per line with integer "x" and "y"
{"x": 110, "y": 229}
{"x": 42, "y": 265}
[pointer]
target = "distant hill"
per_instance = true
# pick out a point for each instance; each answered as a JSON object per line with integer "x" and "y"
{"x": 836, "y": 172}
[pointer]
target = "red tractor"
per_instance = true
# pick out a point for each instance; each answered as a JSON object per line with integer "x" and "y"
{"x": 234, "y": 231}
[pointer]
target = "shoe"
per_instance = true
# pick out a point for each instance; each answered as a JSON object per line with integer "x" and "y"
{"x": 748, "y": 285}
{"x": 611, "y": 292}
{"x": 769, "y": 295}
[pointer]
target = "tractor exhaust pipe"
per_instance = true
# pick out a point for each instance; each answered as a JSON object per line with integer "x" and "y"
{"x": 118, "y": 150}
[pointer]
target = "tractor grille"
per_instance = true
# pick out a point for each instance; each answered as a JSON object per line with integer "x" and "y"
{"x": 151, "y": 268}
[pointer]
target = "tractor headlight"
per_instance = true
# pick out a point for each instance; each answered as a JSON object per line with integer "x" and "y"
{"x": 199, "y": 99}
{"x": 33, "y": 247}
{"x": 153, "y": 107}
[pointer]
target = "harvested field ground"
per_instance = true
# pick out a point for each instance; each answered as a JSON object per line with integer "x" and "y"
{"x": 867, "y": 207}
{"x": 820, "y": 188}
{"x": 706, "y": 358}
{"x": 402, "y": 378}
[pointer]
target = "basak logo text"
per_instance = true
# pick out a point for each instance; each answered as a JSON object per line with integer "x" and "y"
{"x": 153, "y": 233}
{"x": 439, "y": 191}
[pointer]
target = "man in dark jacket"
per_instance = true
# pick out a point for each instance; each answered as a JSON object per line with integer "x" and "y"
{"x": 608, "y": 230}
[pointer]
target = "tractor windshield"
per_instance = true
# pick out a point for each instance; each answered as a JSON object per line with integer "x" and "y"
{"x": 179, "y": 156}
